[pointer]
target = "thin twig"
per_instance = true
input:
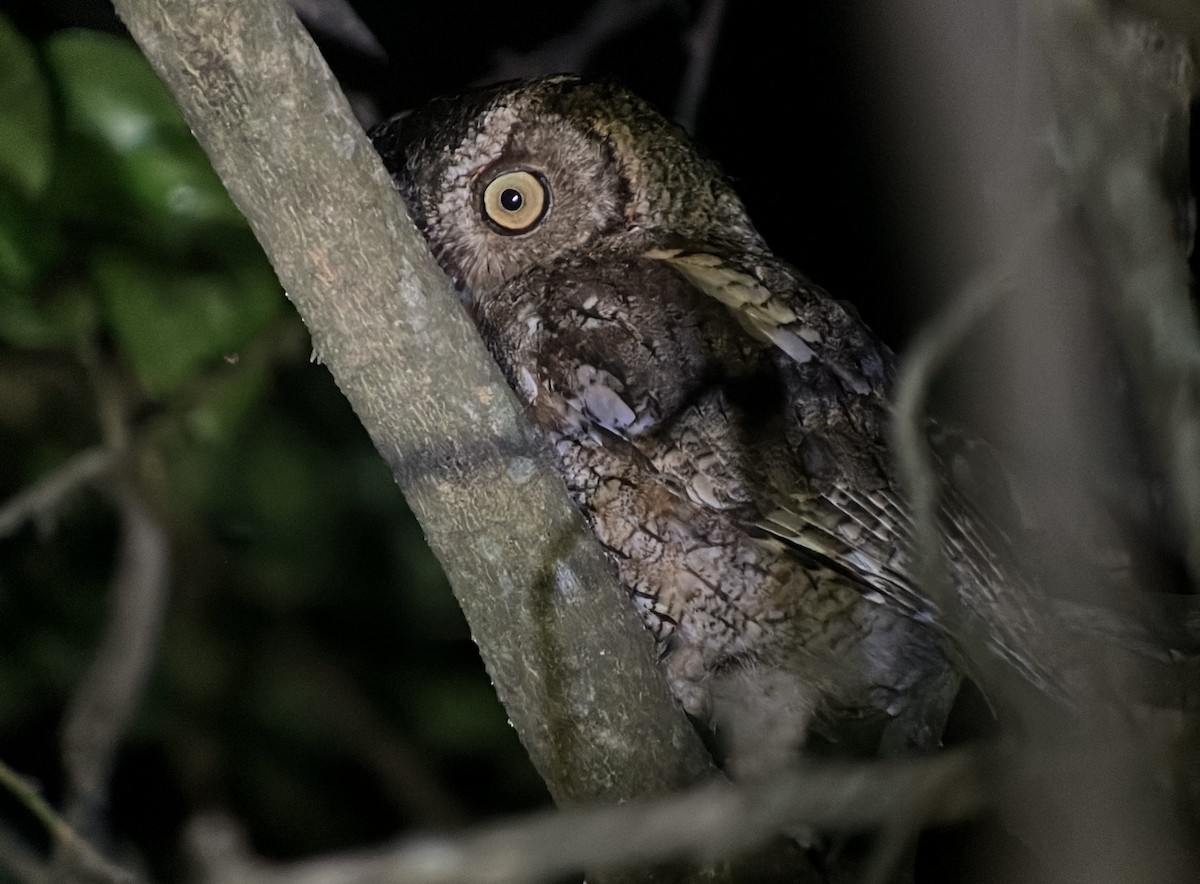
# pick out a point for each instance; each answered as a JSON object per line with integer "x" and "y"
{"x": 573, "y": 50}
{"x": 65, "y": 837}
{"x": 105, "y": 701}
{"x": 1117, "y": 191}
{"x": 708, "y": 822}
{"x": 701, "y": 44}
{"x": 337, "y": 20}
{"x": 49, "y": 493}
{"x": 932, "y": 348}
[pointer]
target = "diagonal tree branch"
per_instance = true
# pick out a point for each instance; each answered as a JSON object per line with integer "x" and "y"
{"x": 25, "y": 866}
{"x": 572, "y": 665}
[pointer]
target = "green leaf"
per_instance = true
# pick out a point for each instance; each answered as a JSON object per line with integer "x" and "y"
{"x": 25, "y": 144}
{"x": 109, "y": 89}
{"x": 217, "y": 419}
{"x": 37, "y": 309}
{"x": 271, "y": 495}
{"x": 177, "y": 185}
{"x": 19, "y": 244}
{"x": 171, "y": 323}
{"x": 121, "y": 120}
{"x": 59, "y": 316}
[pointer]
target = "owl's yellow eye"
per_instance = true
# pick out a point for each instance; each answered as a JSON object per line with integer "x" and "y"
{"x": 515, "y": 202}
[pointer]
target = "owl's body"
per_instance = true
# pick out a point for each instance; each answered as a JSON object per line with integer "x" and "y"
{"x": 673, "y": 428}
{"x": 719, "y": 420}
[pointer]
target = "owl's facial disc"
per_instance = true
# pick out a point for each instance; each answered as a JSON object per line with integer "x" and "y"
{"x": 516, "y": 202}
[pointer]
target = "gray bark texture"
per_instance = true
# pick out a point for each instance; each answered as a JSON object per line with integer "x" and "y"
{"x": 572, "y": 665}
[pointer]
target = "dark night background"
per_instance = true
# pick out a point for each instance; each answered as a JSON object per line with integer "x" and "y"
{"x": 315, "y": 679}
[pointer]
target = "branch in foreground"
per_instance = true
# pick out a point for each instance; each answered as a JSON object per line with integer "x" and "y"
{"x": 1110, "y": 819}
{"x": 81, "y": 854}
{"x": 1143, "y": 76}
{"x": 338, "y": 20}
{"x": 704, "y": 824}
{"x": 934, "y": 347}
{"x": 571, "y": 663}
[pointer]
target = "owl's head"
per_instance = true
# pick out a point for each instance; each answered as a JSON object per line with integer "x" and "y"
{"x": 515, "y": 176}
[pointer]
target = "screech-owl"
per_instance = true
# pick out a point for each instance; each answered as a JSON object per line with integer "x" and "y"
{"x": 720, "y": 420}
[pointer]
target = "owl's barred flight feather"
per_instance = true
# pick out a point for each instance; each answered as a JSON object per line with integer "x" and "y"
{"x": 721, "y": 422}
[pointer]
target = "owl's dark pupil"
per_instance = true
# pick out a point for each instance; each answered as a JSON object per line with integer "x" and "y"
{"x": 511, "y": 199}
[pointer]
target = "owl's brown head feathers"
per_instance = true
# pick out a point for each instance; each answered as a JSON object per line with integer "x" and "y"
{"x": 516, "y": 175}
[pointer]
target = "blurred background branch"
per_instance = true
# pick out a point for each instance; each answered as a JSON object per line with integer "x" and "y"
{"x": 77, "y": 856}
{"x": 701, "y": 41}
{"x": 40, "y": 500}
{"x": 706, "y": 824}
{"x": 573, "y": 49}
{"x": 1088, "y": 358}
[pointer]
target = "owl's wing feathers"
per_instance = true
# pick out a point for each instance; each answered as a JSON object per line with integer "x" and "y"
{"x": 844, "y": 507}
{"x": 813, "y": 473}
{"x": 773, "y": 316}
{"x": 841, "y": 504}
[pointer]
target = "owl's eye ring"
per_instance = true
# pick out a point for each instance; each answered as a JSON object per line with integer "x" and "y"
{"x": 516, "y": 202}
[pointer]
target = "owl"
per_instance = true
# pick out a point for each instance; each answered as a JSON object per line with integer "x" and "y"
{"x": 720, "y": 421}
